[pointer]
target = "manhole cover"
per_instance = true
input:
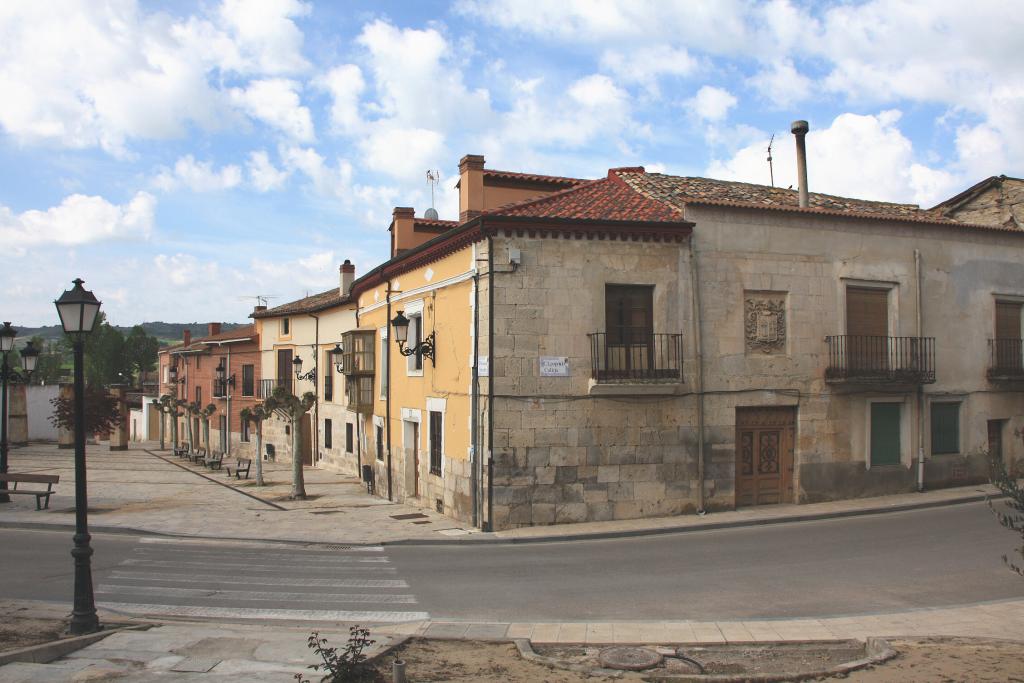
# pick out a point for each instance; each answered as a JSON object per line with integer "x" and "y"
{"x": 629, "y": 658}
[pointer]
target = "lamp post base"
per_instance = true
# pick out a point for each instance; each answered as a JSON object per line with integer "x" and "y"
{"x": 83, "y": 616}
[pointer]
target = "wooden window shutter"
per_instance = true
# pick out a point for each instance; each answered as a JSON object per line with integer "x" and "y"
{"x": 945, "y": 428}
{"x": 885, "y": 434}
{"x": 1007, "y": 320}
{"x": 867, "y": 312}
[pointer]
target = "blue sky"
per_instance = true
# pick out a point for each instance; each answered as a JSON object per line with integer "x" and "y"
{"x": 183, "y": 156}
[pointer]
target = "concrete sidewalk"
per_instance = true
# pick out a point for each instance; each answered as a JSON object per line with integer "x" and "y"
{"x": 150, "y": 491}
{"x": 211, "y": 652}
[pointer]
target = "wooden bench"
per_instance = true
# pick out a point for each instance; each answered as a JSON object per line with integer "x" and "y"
{"x": 214, "y": 460}
{"x": 240, "y": 465}
{"x": 181, "y": 451}
{"x": 48, "y": 479}
{"x": 199, "y": 456}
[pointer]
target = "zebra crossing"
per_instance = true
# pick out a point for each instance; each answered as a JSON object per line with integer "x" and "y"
{"x": 260, "y": 581}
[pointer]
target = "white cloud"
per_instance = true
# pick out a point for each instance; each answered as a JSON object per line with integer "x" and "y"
{"x": 345, "y": 84}
{"x": 326, "y": 181}
{"x": 644, "y": 65}
{"x": 79, "y": 219}
{"x": 402, "y": 152}
{"x": 856, "y": 156}
{"x": 275, "y": 101}
{"x": 266, "y": 38}
{"x": 711, "y": 103}
{"x": 263, "y": 175}
{"x": 198, "y": 176}
{"x": 781, "y": 84}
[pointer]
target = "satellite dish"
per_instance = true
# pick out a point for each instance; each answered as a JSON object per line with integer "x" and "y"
{"x": 430, "y": 214}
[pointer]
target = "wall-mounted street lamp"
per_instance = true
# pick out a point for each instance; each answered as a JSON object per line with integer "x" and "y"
{"x": 400, "y": 326}
{"x": 222, "y": 379}
{"x": 172, "y": 372}
{"x": 338, "y": 358}
{"x": 78, "y": 309}
{"x": 8, "y": 375}
{"x": 311, "y": 375}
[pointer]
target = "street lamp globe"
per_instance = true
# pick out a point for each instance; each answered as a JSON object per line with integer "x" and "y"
{"x": 400, "y": 325}
{"x": 298, "y": 364}
{"x": 77, "y": 308}
{"x": 29, "y": 356}
{"x": 7, "y": 335}
{"x": 337, "y": 357}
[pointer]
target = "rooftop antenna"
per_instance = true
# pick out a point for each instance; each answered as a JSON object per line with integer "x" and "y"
{"x": 771, "y": 171}
{"x": 261, "y": 299}
{"x": 433, "y": 177}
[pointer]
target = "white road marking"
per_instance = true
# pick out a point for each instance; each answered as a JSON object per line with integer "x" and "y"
{"x": 114, "y": 589}
{"x": 221, "y": 543}
{"x": 244, "y": 613}
{"x": 292, "y": 560}
{"x": 261, "y": 580}
{"x": 294, "y": 566}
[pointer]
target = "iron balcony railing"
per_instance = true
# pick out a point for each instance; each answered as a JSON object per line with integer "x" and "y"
{"x": 636, "y": 357}
{"x": 267, "y": 386}
{"x": 1006, "y": 358}
{"x": 864, "y": 358}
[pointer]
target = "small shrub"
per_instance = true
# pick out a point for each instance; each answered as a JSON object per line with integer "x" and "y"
{"x": 1007, "y": 484}
{"x": 347, "y": 666}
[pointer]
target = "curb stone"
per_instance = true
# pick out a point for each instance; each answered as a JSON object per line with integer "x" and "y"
{"x": 877, "y": 651}
{"x": 44, "y": 653}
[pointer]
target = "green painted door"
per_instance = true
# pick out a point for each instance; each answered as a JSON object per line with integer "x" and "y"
{"x": 885, "y": 434}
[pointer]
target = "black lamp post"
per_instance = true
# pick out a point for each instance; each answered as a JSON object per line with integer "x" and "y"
{"x": 78, "y": 309}
{"x": 400, "y": 325}
{"x": 338, "y": 357}
{"x": 29, "y": 355}
{"x": 311, "y": 375}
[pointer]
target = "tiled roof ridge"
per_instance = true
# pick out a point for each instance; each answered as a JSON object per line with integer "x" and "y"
{"x": 240, "y": 332}
{"x": 906, "y": 205}
{"x": 298, "y": 305}
{"x": 540, "y": 177}
{"x": 436, "y": 221}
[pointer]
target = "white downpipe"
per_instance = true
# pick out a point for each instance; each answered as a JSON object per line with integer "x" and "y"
{"x": 920, "y": 387}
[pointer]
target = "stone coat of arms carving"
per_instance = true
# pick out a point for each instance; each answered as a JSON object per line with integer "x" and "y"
{"x": 765, "y": 324}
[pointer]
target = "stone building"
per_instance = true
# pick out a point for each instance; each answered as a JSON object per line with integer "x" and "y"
{"x": 644, "y": 344}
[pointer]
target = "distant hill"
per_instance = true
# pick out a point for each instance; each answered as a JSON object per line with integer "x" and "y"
{"x": 167, "y": 333}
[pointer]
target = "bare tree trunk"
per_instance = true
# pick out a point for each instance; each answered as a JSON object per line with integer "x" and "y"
{"x": 191, "y": 433}
{"x": 258, "y": 457}
{"x": 298, "y": 481}
{"x": 206, "y": 434}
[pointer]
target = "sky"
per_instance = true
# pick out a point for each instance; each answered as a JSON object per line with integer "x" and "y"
{"x": 185, "y": 157}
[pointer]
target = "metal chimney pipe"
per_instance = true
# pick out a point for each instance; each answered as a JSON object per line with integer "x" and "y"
{"x": 799, "y": 129}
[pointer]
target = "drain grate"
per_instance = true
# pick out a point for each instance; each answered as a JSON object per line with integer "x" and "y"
{"x": 332, "y": 547}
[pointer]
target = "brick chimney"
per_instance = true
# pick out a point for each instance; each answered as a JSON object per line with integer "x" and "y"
{"x": 348, "y": 276}
{"x": 471, "y": 186}
{"x": 186, "y": 337}
{"x": 401, "y": 229}
{"x": 212, "y": 329}
{"x": 258, "y": 309}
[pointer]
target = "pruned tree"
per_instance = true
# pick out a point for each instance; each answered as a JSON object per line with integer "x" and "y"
{"x": 102, "y": 411}
{"x": 256, "y": 415}
{"x": 292, "y": 408}
{"x": 1013, "y": 519}
{"x": 204, "y": 415}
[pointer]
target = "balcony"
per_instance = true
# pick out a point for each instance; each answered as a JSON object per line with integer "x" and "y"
{"x": 267, "y": 386}
{"x": 1006, "y": 359}
{"x": 880, "y": 360}
{"x": 636, "y": 358}
{"x": 359, "y": 394}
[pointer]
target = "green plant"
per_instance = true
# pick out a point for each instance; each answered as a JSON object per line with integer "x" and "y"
{"x": 1014, "y": 520}
{"x": 102, "y": 411}
{"x": 346, "y": 666}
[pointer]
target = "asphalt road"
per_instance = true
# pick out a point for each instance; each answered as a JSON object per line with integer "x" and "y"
{"x": 880, "y": 563}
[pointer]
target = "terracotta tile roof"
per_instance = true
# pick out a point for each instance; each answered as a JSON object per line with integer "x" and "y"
{"x": 607, "y": 199}
{"x": 309, "y": 304}
{"x": 243, "y": 332}
{"x": 434, "y": 225}
{"x": 532, "y": 177}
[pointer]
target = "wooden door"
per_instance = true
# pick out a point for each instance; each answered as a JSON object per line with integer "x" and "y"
{"x": 305, "y": 424}
{"x": 995, "y": 439}
{"x": 765, "y": 439}
{"x": 867, "y": 328}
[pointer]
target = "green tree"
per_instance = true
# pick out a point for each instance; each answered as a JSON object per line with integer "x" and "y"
{"x": 1014, "y": 519}
{"x": 140, "y": 351}
{"x": 257, "y": 416}
{"x": 292, "y": 408}
{"x": 50, "y": 366}
{"x": 102, "y": 411}
{"x": 105, "y": 361}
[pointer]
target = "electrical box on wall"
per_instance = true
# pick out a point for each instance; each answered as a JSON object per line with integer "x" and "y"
{"x": 515, "y": 257}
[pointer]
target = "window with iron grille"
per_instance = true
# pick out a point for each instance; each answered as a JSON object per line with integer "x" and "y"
{"x": 328, "y": 378}
{"x": 436, "y": 441}
{"x": 248, "y": 380}
{"x": 348, "y": 437}
{"x": 328, "y": 434}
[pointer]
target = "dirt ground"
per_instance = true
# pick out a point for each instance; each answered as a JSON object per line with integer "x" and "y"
{"x": 17, "y": 632}
{"x": 926, "y": 660}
